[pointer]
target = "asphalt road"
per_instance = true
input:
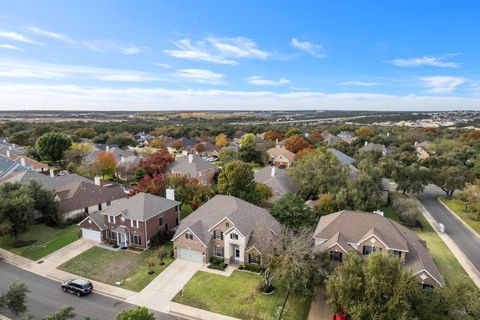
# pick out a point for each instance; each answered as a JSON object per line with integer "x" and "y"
{"x": 461, "y": 235}
{"x": 46, "y": 297}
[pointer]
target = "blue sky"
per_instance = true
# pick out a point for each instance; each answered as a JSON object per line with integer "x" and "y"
{"x": 161, "y": 55}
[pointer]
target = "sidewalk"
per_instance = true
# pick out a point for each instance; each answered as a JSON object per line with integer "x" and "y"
{"x": 472, "y": 272}
{"x": 47, "y": 267}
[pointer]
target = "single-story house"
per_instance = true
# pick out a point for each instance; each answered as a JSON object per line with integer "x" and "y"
{"x": 126, "y": 167}
{"x": 366, "y": 233}
{"x": 329, "y": 138}
{"x": 193, "y": 166}
{"x": 277, "y": 179}
{"x": 281, "y": 157}
{"x": 117, "y": 153}
{"x": 225, "y": 227}
{"x": 132, "y": 222}
{"x": 370, "y": 146}
{"x": 422, "y": 149}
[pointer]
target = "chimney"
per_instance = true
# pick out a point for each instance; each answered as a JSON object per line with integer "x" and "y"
{"x": 272, "y": 172}
{"x": 170, "y": 193}
{"x": 4, "y": 140}
{"x": 97, "y": 181}
{"x": 52, "y": 173}
{"x": 416, "y": 142}
{"x": 8, "y": 153}
{"x": 122, "y": 159}
{"x": 190, "y": 158}
{"x": 366, "y": 142}
{"x": 22, "y": 162}
{"x": 10, "y": 148}
{"x": 13, "y": 145}
{"x": 107, "y": 148}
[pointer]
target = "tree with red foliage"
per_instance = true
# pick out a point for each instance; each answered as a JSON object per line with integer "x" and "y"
{"x": 154, "y": 185}
{"x": 189, "y": 190}
{"x": 156, "y": 163}
{"x": 315, "y": 136}
{"x": 296, "y": 143}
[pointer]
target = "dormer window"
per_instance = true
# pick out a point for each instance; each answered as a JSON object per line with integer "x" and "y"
{"x": 233, "y": 236}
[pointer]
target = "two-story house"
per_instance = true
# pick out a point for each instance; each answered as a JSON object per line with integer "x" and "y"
{"x": 366, "y": 233}
{"x": 193, "y": 166}
{"x": 134, "y": 221}
{"x": 225, "y": 227}
{"x": 281, "y": 157}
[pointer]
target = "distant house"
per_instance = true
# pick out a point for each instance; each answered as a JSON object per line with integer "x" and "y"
{"x": 373, "y": 147}
{"x": 277, "y": 179}
{"x": 422, "y": 149}
{"x": 228, "y": 228}
{"x": 10, "y": 150}
{"x": 346, "y": 136}
{"x": 75, "y": 195}
{"x": 126, "y": 167}
{"x": 117, "y": 153}
{"x": 344, "y": 159}
{"x": 142, "y": 138}
{"x": 329, "y": 138}
{"x": 31, "y": 164}
{"x": 209, "y": 149}
{"x": 8, "y": 167}
{"x": 281, "y": 157}
{"x": 132, "y": 222}
{"x": 366, "y": 233}
{"x": 193, "y": 166}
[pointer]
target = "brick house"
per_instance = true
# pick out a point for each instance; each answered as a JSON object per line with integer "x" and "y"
{"x": 132, "y": 222}
{"x": 193, "y": 166}
{"x": 225, "y": 227}
{"x": 281, "y": 157}
{"x": 366, "y": 233}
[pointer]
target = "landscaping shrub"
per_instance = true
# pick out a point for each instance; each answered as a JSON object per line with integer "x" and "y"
{"x": 216, "y": 260}
{"x": 407, "y": 210}
{"x": 74, "y": 220}
{"x": 253, "y": 267}
{"x": 22, "y": 243}
{"x": 221, "y": 266}
{"x": 161, "y": 238}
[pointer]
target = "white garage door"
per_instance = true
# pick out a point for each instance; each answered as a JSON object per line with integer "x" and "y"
{"x": 192, "y": 255}
{"x": 92, "y": 235}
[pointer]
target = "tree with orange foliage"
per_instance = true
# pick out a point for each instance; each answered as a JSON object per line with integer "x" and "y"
{"x": 296, "y": 143}
{"x": 157, "y": 143}
{"x": 364, "y": 132}
{"x": 156, "y": 163}
{"x": 221, "y": 140}
{"x": 315, "y": 136}
{"x": 106, "y": 163}
{"x": 273, "y": 135}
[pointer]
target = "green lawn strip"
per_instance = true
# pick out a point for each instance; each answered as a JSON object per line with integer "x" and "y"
{"x": 238, "y": 296}
{"x": 458, "y": 207}
{"x": 185, "y": 211}
{"x": 48, "y": 240}
{"x": 112, "y": 266}
{"x": 390, "y": 213}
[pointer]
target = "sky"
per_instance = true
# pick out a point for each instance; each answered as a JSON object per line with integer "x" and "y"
{"x": 239, "y": 55}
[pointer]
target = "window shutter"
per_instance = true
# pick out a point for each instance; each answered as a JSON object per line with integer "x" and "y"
{"x": 221, "y": 235}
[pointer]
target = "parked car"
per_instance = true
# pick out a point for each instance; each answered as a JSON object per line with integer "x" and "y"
{"x": 80, "y": 287}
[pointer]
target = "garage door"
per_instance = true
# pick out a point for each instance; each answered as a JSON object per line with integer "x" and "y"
{"x": 192, "y": 255}
{"x": 92, "y": 235}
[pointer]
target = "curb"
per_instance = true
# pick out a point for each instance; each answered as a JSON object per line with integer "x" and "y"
{"x": 459, "y": 218}
{"x": 466, "y": 264}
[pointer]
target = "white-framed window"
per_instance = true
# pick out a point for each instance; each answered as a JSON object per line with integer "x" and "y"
{"x": 218, "y": 252}
{"x": 111, "y": 219}
{"x": 233, "y": 236}
{"x": 134, "y": 223}
{"x": 336, "y": 256}
{"x": 254, "y": 258}
{"x": 189, "y": 236}
{"x": 396, "y": 253}
{"x": 217, "y": 234}
{"x": 135, "y": 239}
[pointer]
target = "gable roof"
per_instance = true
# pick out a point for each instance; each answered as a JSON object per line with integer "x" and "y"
{"x": 342, "y": 157}
{"x": 277, "y": 152}
{"x": 7, "y": 166}
{"x": 280, "y": 182}
{"x": 244, "y": 216}
{"x": 50, "y": 183}
{"x": 141, "y": 206}
{"x": 183, "y": 166}
{"x": 355, "y": 226}
{"x": 373, "y": 146}
{"x": 329, "y": 138}
{"x": 97, "y": 218}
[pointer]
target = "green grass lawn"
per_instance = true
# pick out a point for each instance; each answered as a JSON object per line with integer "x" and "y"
{"x": 111, "y": 266}
{"x": 238, "y": 296}
{"x": 48, "y": 240}
{"x": 449, "y": 267}
{"x": 185, "y": 210}
{"x": 458, "y": 207}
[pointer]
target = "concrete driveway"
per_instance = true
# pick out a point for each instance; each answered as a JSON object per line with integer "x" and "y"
{"x": 158, "y": 293}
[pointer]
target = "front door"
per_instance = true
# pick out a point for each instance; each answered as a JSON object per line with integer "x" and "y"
{"x": 237, "y": 254}
{"x": 123, "y": 239}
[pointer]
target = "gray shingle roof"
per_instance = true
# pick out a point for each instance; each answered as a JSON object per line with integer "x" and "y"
{"x": 50, "y": 183}
{"x": 184, "y": 167}
{"x": 342, "y": 157}
{"x": 245, "y": 217}
{"x": 6, "y": 166}
{"x": 98, "y": 218}
{"x": 141, "y": 206}
{"x": 280, "y": 182}
{"x": 373, "y": 146}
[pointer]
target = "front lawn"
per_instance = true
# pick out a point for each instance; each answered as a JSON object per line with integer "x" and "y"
{"x": 449, "y": 267}
{"x": 185, "y": 211}
{"x": 458, "y": 207}
{"x": 116, "y": 266}
{"x": 238, "y": 296}
{"x": 48, "y": 240}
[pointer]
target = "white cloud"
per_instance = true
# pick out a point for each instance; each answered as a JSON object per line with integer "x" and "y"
{"x": 315, "y": 50}
{"x": 48, "y": 34}
{"x": 17, "y": 37}
{"x": 9, "y": 46}
{"x": 162, "y": 65}
{"x": 217, "y": 50}
{"x": 71, "y": 97}
{"x": 425, "y": 61}
{"x": 130, "y": 50}
{"x": 107, "y": 46}
{"x": 442, "y": 84}
{"x": 201, "y": 76}
{"x": 260, "y": 81}
{"x": 359, "y": 83}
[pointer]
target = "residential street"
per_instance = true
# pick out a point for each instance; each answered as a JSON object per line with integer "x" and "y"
{"x": 461, "y": 235}
{"x": 46, "y": 297}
